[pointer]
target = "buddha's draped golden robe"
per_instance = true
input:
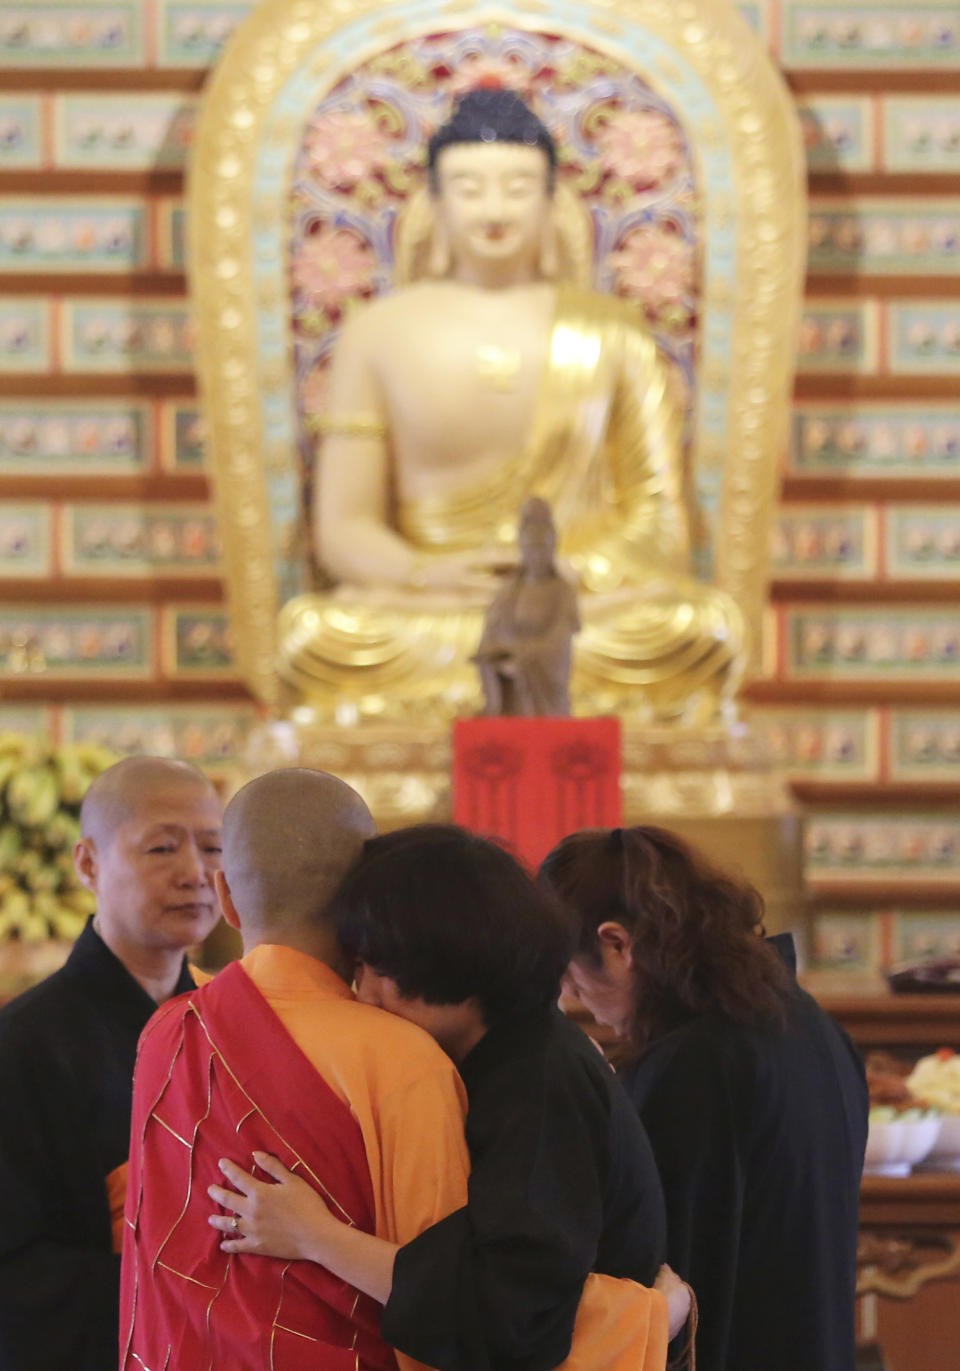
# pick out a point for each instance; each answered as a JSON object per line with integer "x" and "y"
{"x": 604, "y": 451}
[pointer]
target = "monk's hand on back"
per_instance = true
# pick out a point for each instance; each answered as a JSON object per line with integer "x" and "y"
{"x": 284, "y": 1217}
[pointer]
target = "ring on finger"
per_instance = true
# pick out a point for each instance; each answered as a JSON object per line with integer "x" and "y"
{"x": 235, "y": 1223}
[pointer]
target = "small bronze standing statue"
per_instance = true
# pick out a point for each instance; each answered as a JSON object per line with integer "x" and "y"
{"x": 524, "y": 655}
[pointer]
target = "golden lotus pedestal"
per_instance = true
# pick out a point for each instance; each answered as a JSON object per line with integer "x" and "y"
{"x": 718, "y": 788}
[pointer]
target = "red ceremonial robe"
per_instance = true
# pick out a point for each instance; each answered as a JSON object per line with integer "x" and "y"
{"x": 215, "y": 1067}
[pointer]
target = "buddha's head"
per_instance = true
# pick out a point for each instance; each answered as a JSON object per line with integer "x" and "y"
{"x": 492, "y": 169}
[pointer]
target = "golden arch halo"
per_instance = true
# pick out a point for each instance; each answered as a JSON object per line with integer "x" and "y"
{"x": 758, "y": 119}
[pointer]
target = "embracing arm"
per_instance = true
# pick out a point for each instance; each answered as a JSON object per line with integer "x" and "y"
{"x": 497, "y": 1283}
{"x": 423, "y": 1176}
{"x": 287, "y": 1218}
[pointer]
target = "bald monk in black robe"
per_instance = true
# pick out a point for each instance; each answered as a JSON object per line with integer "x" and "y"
{"x": 149, "y": 846}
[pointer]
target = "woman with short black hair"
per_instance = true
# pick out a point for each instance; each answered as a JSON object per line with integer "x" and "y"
{"x": 450, "y": 917}
{"x": 754, "y": 1099}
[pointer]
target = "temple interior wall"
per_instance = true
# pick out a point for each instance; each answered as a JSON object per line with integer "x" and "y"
{"x": 108, "y": 541}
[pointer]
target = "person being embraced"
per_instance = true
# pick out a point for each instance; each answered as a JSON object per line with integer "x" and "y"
{"x": 562, "y": 1234}
{"x": 754, "y": 1099}
{"x": 275, "y": 1053}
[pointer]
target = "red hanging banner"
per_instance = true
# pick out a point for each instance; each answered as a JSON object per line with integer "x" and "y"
{"x": 533, "y": 781}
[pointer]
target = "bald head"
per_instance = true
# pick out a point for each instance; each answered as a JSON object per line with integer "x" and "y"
{"x": 288, "y": 839}
{"x": 129, "y": 788}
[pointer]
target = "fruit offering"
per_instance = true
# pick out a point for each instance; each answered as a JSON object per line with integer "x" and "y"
{"x": 936, "y": 1079}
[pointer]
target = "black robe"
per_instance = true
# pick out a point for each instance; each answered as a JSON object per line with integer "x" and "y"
{"x": 67, "y": 1050}
{"x": 759, "y": 1136}
{"x": 562, "y": 1183}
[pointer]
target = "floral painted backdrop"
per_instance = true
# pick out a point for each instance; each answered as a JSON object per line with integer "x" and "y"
{"x": 620, "y": 148}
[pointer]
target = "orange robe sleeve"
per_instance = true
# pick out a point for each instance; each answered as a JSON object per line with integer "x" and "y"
{"x": 621, "y": 1326}
{"x": 117, "y": 1198}
{"x": 422, "y": 1185}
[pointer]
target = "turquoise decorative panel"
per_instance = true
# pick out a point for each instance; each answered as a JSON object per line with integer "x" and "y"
{"x": 926, "y": 934}
{"x": 879, "y": 846}
{"x": 875, "y": 440}
{"x": 817, "y": 541}
{"x": 913, "y": 237}
{"x": 846, "y": 941}
{"x": 182, "y": 436}
{"x": 837, "y": 132}
{"x": 76, "y": 437}
{"x": 823, "y": 744}
{"x": 923, "y": 541}
{"x": 140, "y": 540}
{"x": 62, "y": 34}
{"x": 196, "y": 642}
{"x": 839, "y": 336}
{"x": 81, "y": 641}
{"x": 21, "y": 131}
{"x": 194, "y": 34}
{"x": 132, "y": 131}
{"x": 921, "y": 133}
{"x": 173, "y": 235}
{"x": 24, "y": 334}
{"x": 67, "y": 234}
{"x": 206, "y": 735}
{"x": 875, "y": 34}
{"x": 25, "y": 547}
{"x": 925, "y": 337}
{"x": 127, "y": 336}
{"x": 873, "y": 644}
{"x": 925, "y": 745}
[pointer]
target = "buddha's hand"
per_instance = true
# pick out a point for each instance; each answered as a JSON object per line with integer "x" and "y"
{"x": 679, "y": 1297}
{"x": 479, "y": 570}
{"x": 280, "y": 1218}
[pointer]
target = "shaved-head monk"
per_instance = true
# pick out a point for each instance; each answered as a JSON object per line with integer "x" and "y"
{"x": 149, "y": 850}
{"x": 277, "y": 1055}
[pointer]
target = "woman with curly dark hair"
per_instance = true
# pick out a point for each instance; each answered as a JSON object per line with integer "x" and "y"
{"x": 753, "y": 1098}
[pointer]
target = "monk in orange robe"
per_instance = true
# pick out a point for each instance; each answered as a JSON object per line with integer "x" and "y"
{"x": 276, "y": 1053}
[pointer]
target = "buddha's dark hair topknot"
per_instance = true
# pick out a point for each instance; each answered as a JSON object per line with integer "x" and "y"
{"x": 492, "y": 116}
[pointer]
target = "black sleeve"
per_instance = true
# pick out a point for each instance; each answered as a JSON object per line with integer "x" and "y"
{"x": 59, "y": 1279}
{"x": 692, "y": 1114}
{"x": 497, "y": 1284}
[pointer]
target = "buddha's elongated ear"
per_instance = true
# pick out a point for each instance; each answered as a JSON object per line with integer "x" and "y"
{"x": 438, "y": 262}
{"x": 550, "y": 250}
{"x": 417, "y": 252}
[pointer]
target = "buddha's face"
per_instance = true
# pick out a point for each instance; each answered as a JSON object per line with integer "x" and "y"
{"x": 494, "y": 201}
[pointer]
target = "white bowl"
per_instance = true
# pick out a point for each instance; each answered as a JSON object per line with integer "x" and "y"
{"x": 896, "y": 1144}
{"x": 945, "y": 1153}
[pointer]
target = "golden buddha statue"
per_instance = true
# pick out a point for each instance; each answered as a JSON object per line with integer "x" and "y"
{"x": 455, "y": 399}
